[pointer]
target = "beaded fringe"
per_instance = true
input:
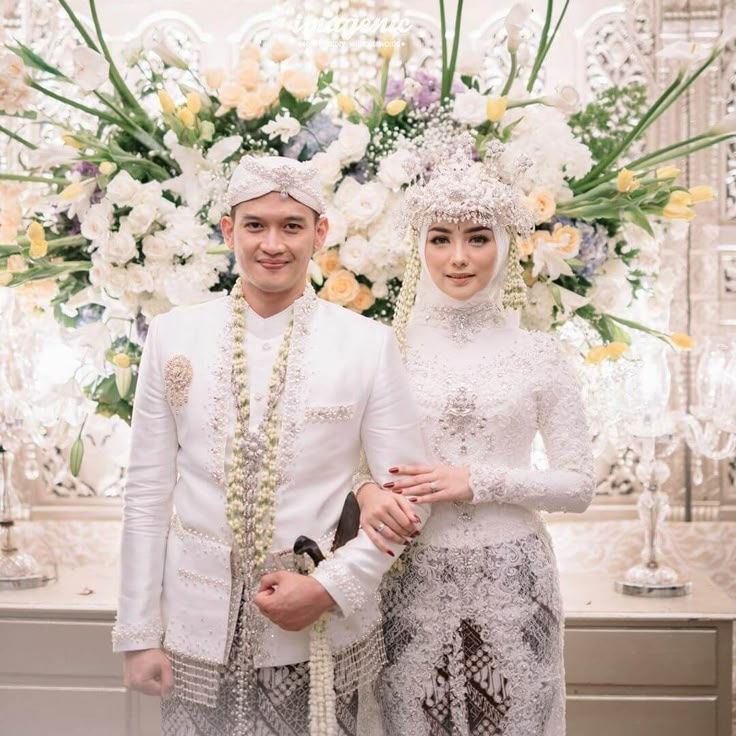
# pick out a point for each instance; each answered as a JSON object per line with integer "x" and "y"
{"x": 198, "y": 681}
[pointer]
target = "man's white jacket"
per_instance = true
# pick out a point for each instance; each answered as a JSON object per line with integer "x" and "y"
{"x": 345, "y": 389}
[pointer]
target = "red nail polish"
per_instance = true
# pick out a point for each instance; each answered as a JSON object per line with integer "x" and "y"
{"x": 391, "y": 553}
{"x": 413, "y": 500}
{"x": 393, "y": 470}
{"x": 417, "y": 520}
{"x": 389, "y": 485}
{"x": 397, "y": 490}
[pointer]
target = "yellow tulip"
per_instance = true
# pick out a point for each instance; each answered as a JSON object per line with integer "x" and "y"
{"x": 702, "y": 193}
{"x": 35, "y": 231}
{"x": 668, "y": 172}
{"x": 396, "y": 107}
{"x": 38, "y": 249}
{"x": 626, "y": 181}
{"x": 678, "y": 212}
{"x": 346, "y": 104}
{"x": 187, "y": 117}
{"x": 682, "y": 341}
{"x": 680, "y": 198}
{"x": 70, "y": 140}
{"x": 597, "y": 355}
{"x": 386, "y": 49}
{"x": 70, "y": 193}
{"x": 121, "y": 360}
{"x": 615, "y": 350}
{"x": 107, "y": 167}
{"x": 167, "y": 104}
{"x": 5, "y": 278}
{"x": 496, "y": 108}
{"x": 194, "y": 102}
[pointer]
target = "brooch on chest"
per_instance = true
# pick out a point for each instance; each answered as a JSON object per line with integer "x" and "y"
{"x": 461, "y": 419}
{"x": 177, "y": 380}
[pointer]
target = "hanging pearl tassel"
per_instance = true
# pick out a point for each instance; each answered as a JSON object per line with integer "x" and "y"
{"x": 514, "y": 288}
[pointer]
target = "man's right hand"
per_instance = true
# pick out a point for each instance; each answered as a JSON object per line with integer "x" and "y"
{"x": 148, "y": 671}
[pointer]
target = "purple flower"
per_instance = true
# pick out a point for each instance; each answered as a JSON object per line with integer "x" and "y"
{"x": 593, "y": 245}
{"x": 316, "y": 136}
{"x": 85, "y": 168}
{"x": 394, "y": 89}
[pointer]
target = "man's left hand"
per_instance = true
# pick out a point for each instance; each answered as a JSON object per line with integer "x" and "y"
{"x": 292, "y": 601}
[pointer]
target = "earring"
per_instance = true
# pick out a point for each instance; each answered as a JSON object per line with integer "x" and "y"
{"x": 514, "y": 287}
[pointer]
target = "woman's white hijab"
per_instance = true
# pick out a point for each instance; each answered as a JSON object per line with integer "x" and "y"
{"x": 429, "y": 294}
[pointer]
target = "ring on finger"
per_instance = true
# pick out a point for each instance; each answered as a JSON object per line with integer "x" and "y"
{"x": 380, "y": 528}
{"x": 433, "y": 487}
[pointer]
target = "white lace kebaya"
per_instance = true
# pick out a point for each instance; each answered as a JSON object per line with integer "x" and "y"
{"x": 473, "y": 616}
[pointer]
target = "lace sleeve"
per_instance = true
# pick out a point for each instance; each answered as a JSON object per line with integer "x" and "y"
{"x": 362, "y": 476}
{"x": 568, "y": 483}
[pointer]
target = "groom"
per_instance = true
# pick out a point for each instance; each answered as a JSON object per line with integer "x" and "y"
{"x": 249, "y": 418}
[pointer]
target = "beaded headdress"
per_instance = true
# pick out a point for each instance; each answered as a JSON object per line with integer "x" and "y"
{"x": 449, "y": 184}
{"x": 256, "y": 176}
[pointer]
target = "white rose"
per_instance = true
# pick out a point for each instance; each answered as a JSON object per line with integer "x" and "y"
{"x": 338, "y": 227}
{"x": 353, "y": 141}
{"x": 140, "y": 219}
{"x": 537, "y": 313}
{"x": 115, "y": 283}
{"x": 91, "y": 69}
{"x": 328, "y": 165}
{"x": 611, "y": 290}
{"x": 123, "y": 189}
{"x": 380, "y": 289}
{"x": 139, "y": 279}
{"x": 360, "y": 203}
{"x": 96, "y": 223}
{"x": 156, "y": 248}
{"x": 354, "y": 253}
{"x": 470, "y": 108}
{"x": 392, "y": 172}
{"x": 119, "y": 248}
{"x": 149, "y": 193}
{"x": 470, "y": 61}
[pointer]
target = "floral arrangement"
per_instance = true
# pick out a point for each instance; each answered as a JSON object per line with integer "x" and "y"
{"x": 119, "y": 217}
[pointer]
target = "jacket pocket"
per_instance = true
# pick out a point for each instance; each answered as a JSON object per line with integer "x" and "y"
{"x": 199, "y": 605}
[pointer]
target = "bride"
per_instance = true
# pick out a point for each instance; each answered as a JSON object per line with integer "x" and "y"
{"x": 473, "y": 617}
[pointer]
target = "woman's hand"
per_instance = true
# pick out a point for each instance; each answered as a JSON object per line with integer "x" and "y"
{"x": 386, "y": 517}
{"x": 432, "y": 483}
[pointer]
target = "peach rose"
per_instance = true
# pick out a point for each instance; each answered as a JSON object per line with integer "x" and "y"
{"x": 250, "y": 107}
{"x": 364, "y": 301}
{"x": 567, "y": 239}
{"x": 248, "y": 74}
{"x": 298, "y": 83}
{"x": 250, "y": 51}
{"x": 341, "y": 287}
{"x": 230, "y": 94}
{"x": 268, "y": 94}
{"x": 328, "y": 261}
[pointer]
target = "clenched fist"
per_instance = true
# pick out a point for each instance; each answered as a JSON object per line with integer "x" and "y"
{"x": 148, "y": 671}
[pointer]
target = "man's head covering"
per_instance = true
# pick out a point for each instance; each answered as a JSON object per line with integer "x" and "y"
{"x": 256, "y": 176}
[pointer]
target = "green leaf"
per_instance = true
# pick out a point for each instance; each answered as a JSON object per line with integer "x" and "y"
{"x": 637, "y": 217}
{"x": 556, "y": 295}
{"x": 32, "y": 59}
